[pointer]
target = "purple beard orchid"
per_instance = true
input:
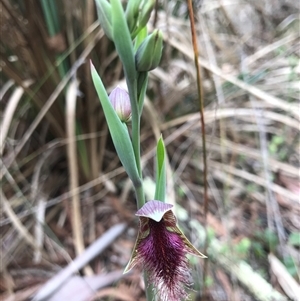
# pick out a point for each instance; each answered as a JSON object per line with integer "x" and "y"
{"x": 161, "y": 249}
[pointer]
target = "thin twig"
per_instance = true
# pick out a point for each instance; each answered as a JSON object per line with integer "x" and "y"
{"x": 73, "y": 168}
{"x": 201, "y": 107}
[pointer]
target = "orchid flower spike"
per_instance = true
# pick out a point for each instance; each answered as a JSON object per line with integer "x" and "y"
{"x": 161, "y": 249}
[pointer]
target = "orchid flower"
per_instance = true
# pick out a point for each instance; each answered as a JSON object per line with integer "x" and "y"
{"x": 161, "y": 249}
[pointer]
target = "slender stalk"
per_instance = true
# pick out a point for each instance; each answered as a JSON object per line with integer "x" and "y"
{"x": 135, "y": 116}
{"x": 201, "y": 107}
{"x": 140, "y": 195}
{"x": 138, "y": 187}
{"x": 148, "y": 288}
{"x": 136, "y": 142}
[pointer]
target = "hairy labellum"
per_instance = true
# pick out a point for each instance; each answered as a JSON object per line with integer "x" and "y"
{"x": 161, "y": 249}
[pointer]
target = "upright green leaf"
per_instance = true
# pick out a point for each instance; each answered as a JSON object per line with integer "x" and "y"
{"x": 117, "y": 129}
{"x": 160, "y": 190}
{"x": 122, "y": 39}
{"x": 124, "y": 47}
{"x": 105, "y": 16}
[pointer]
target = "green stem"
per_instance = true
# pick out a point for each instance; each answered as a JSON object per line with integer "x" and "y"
{"x": 140, "y": 195}
{"x": 139, "y": 190}
{"x": 148, "y": 288}
{"x": 136, "y": 142}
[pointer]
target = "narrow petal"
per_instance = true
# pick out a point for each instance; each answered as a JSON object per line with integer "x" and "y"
{"x": 135, "y": 258}
{"x": 171, "y": 224}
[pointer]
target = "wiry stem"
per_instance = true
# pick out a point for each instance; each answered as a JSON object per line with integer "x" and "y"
{"x": 201, "y": 107}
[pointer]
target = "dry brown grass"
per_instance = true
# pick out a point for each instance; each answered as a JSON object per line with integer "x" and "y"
{"x": 60, "y": 175}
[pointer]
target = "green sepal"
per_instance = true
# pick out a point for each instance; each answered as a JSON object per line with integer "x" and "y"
{"x": 117, "y": 129}
{"x": 189, "y": 246}
{"x": 160, "y": 189}
{"x": 105, "y": 17}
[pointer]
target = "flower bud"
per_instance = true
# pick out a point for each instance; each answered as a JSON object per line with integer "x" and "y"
{"x": 120, "y": 101}
{"x": 146, "y": 10}
{"x": 105, "y": 17}
{"x": 149, "y": 52}
{"x": 132, "y": 14}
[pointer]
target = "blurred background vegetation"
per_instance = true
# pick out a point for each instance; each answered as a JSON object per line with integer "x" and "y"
{"x": 55, "y": 146}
